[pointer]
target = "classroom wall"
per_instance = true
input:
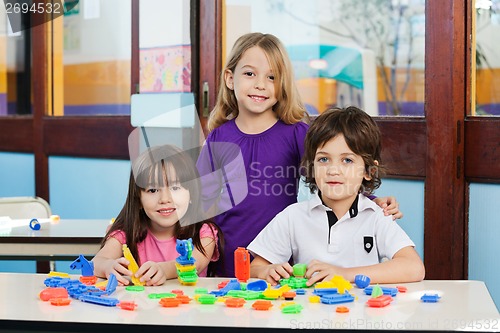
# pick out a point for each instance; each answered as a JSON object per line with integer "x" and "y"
{"x": 17, "y": 178}
{"x": 80, "y": 188}
{"x": 484, "y": 229}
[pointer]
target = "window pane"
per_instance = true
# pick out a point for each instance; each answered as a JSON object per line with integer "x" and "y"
{"x": 15, "y": 67}
{"x": 368, "y": 53}
{"x": 165, "y": 58}
{"x": 91, "y": 58}
{"x": 487, "y": 52}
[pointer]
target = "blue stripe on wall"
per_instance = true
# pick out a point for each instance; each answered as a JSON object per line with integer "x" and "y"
{"x": 17, "y": 179}
{"x": 484, "y": 230}
{"x": 85, "y": 188}
{"x": 17, "y": 174}
{"x": 103, "y": 109}
{"x": 410, "y": 196}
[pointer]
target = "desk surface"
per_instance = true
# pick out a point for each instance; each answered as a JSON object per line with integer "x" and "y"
{"x": 65, "y": 237}
{"x": 464, "y": 305}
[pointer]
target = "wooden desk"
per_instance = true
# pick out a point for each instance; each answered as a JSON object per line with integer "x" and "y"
{"x": 464, "y": 305}
{"x": 62, "y": 240}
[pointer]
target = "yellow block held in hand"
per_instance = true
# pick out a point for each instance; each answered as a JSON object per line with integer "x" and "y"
{"x": 133, "y": 267}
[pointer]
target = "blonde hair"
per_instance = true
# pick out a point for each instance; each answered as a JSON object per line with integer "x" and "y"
{"x": 289, "y": 107}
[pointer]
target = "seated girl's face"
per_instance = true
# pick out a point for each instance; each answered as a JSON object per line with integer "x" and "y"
{"x": 165, "y": 202}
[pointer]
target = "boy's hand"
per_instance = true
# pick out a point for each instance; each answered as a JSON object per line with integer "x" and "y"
{"x": 390, "y": 206}
{"x": 118, "y": 267}
{"x": 319, "y": 271}
{"x": 151, "y": 274}
{"x": 274, "y": 273}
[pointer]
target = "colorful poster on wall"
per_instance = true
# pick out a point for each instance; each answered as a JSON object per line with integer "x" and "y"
{"x": 165, "y": 69}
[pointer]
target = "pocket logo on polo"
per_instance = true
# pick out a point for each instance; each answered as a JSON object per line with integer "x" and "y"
{"x": 368, "y": 243}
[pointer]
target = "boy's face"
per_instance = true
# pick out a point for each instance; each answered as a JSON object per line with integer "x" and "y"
{"x": 338, "y": 172}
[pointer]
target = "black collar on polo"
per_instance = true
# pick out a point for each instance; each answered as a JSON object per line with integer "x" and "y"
{"x": 332, "y": 218}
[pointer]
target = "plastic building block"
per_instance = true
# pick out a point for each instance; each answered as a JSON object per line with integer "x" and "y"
{"x": 384, "y": 291}
{"x": 337, "y": 298}
{"x": 132, "y": 266}
{"x": 286, "y": 304}
{"x": 262, "y": 305}
{"x": 300, "y": 291}
{"x": 59, "y": 274}
{"x": 294, "y": 282}
{"x": 222, "y": 284}
{"x": 231, "y": 285}
{"x": 402, "y": 289}
{"x": 314, "y": 299}
{"x": 53, "y": 292}
{"x": 325, "y": 291}
{"x": 185, "y": 268}
{"x": 289, "y": 295}
{"x": 342, "y": 284}
{"x": 380, "y": 301}
{"x": 170, "y": 302}
{"x": 430, "y": 298}
{"x": 235, "y": 302}
{"x": 185, "y": 299}
{"x": 134, "y": 288}
{"x": 34, "y": 224}
{"x": 177, "y": 292}
{"x": 60, "y": 301}
{"x": 127, "y": 305}
{"x": 106, "y": 301}
{"x": 242, "y": 264}
{"x": 88, "y": 280}
{"x": 185, "y": 249}
{"x": 361, "y": 281}
{"x": 54, "y": 218}
{"x": 201, "y": 291}
{"x": 207, "y": 299}
{"x": 294, "y": 308}
{"x": 82, "y": 263}
{"x": 342, "y": 309}
{"x": 299, "y": 270}
{"x": 259, "y": 285}
{"x": 275, "y": 293}
{"x": 112, "y": 284}
{"x": 162, "y": 295}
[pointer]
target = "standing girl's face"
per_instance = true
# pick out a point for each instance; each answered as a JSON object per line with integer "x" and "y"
{"x": 165, "y": 205}
{"x": 253, "y": 83}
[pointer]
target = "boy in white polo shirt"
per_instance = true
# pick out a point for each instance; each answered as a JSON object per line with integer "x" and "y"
{"x": 339, "y": 231}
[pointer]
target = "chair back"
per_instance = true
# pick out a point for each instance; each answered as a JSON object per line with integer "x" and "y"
{"x": 24, "y": 207}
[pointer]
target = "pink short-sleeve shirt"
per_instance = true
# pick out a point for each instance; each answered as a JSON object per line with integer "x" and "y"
{"x": 153, "y": 249}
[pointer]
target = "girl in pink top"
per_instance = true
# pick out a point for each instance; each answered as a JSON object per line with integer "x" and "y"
{"x": 162, "y": 205}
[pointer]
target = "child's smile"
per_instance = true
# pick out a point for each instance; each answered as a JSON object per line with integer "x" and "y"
{"x": 339, "y": 173}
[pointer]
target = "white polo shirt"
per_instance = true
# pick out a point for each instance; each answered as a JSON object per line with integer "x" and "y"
{"x": 363, "y": 236}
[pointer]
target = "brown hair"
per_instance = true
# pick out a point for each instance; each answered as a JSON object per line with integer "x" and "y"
{"x": 361, "y": 134}
{"x": 150, "y": 168}
{"x": 289, "y": 107}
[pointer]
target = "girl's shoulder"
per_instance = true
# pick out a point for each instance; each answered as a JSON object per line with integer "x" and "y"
{"x": 208, "y": 230}
{"x": 228, "y": 129}
{"x": 119, "y": 235}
